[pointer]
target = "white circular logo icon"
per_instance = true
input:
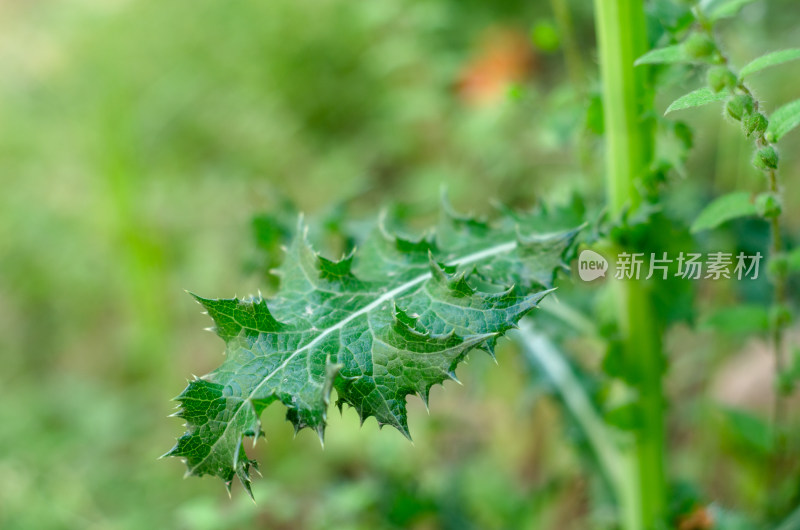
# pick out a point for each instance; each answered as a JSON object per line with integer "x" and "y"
{"x": 591, "y": 265}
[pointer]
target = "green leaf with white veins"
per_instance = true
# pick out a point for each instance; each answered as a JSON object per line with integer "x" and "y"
{"x": 391, "y": 319}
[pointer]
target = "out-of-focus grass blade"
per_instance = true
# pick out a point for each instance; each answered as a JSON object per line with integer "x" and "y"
{"x": 546, "y": 356}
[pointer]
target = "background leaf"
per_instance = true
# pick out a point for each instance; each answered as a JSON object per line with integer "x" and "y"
{"x": 738, "y": 320}
{"x": 744, "y": 428}
{"x": 770, "y": 59}
{"x": 722, "y": 209}
{"x": 697, "y": 98}
{"x": 784, "y": 120}
{"x": 794, "y": 260}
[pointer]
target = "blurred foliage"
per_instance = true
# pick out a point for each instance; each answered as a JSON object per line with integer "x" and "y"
{"x": 139, "y": 140}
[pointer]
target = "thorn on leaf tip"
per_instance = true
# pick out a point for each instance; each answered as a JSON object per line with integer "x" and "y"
{"x": 452, "y": 375}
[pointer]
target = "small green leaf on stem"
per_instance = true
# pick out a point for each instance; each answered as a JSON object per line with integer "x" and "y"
{"x": 717, "y": 9}
{"x": 698, "y": 98}
{"x": 783, "y": 121}
{"x": 722, "y": 209}
{"x": 667, "y": 55}
{"x": 770, "y": 59}
{"x": 768, "y": 205}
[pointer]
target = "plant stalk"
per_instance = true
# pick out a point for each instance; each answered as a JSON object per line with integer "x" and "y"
{"x": 572, "y": 54}
{"x": 627, "y": 97}
{"x": 776, "y": 248}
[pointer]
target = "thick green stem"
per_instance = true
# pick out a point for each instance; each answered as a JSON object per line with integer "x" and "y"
{"x": 643, "y": 353}
{"x": 621, "y": 39}
{"x": 629, "y": 143}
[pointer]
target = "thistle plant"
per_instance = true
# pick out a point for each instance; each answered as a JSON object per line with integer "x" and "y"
{"x": 397, "y": 314}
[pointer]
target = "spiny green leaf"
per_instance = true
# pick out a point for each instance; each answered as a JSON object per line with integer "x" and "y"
{"x": 697, "y": 98}
{"x": 717, "y": 9}
{"x": 722, "y": 209}
{"x": 392, "y": 319}
{"x": 770, "y": 59}
{"x": 667, "y": 55}
{"x": 783, "y": 121}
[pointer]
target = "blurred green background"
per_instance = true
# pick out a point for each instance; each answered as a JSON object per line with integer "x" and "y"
{"x": 139, "y": 139}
